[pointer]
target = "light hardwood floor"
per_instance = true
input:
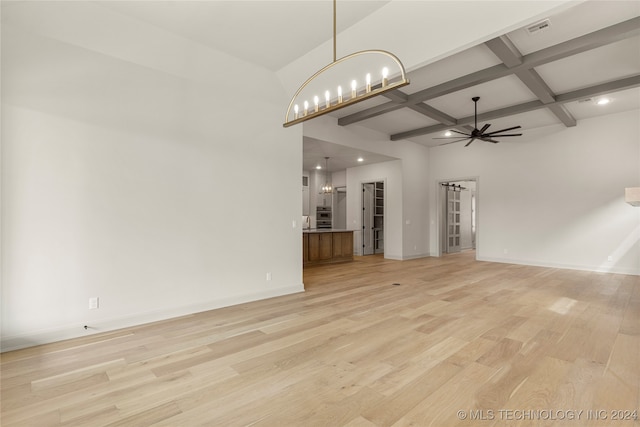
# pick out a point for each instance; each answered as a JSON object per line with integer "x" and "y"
{"x": 508, "y": 345}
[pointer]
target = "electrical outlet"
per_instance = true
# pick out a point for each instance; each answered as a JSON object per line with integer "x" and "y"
{"x": 268, "y": 277}
{"x": 94, "y": 303}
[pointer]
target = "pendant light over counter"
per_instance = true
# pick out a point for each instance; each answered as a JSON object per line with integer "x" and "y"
{"x": 326, "y": 188}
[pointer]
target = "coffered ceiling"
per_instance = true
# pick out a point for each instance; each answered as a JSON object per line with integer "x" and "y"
{"x": 552, "y": 77}
{"x": 544, "y": 80}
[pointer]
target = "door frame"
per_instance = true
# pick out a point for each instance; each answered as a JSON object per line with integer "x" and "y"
{"x": 441, "y": 219}
{"x": 360, "y": 241}
{"x": 367, "y": 232}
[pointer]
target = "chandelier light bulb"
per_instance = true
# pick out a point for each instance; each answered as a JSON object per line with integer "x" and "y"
{"x": 368, "y": 81}
{"x": 327, "y": 98}
{"x": 316, "y": 101}
{"x": 354, "y": 86}
{"x": 306, "y": 108}
{"x": 385, "y": 76}
{"x": 339, "y": 94}
{"x": 295, "y": 111}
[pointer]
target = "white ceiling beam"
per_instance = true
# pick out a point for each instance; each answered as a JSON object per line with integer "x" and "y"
{"x": 605, "y": 36}
{"x": 576, "y": 95}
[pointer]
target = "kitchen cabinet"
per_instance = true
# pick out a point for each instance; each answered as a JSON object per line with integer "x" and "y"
{"x": 343, "y": 245}
{"x": 320, "y": 246}
{"x": 327, "y": 246}
{"x": 305, "y": 248}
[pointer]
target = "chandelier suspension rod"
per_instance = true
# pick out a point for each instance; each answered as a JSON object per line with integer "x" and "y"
{"x": 334, "y": 31}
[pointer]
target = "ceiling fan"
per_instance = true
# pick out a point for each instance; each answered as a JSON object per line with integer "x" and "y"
{"x": 480, "y": 133}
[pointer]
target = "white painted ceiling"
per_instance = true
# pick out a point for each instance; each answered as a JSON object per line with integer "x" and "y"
{"x": 275, "y": 33}
{"x": 340, "y": 156}
{"x": 265, "y": 32}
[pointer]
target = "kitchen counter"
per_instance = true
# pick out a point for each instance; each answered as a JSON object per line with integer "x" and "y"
{"x": 326, "y": 246}
{"x": 327, "y": 230}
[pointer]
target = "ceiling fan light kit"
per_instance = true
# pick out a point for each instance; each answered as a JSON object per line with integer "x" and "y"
{"x": 482, "y": 133}
{"x": 296, "y": 114}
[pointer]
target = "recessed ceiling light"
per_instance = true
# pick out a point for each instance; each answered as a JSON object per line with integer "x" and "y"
{"x": 360, "y": 159}
{"x": 603, "y": 101}
{"x": 318, "y": 167}
{"x": 448, "y": 133}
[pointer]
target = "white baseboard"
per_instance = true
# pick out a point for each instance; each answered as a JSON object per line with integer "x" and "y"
{"x": 597, "y": 269}
{"x": 415, "y": 256}
{"x": 17, "y": 342}
{"x": 405, "y": 258}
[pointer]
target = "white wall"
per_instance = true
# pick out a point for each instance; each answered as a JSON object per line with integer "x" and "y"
{"x": 555, "y": 200}
{"x": 339, "y": 179}
{"x": 132, "y": 171}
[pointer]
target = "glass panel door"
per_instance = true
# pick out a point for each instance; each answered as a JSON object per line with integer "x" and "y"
{"x": 453, "y": 220}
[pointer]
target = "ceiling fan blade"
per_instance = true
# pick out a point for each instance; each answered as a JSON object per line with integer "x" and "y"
{"x": 504, "y": 130}
{"x": 467, "y": 144}
{"x": 461, "y": 133}
{"x": 506, "y": 134}
{"x": 489, "y": 140}
{"x": 451, "y": 137}
{"x": 485, "y": 127}
{"x": 451, "y": 142}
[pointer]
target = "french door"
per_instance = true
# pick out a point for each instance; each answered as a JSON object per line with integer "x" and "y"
{"x": 453, "y": 220}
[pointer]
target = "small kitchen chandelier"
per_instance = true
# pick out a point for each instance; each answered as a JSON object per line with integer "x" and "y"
{"x": 326, "y": 188}
{"x": 300, "y": 110}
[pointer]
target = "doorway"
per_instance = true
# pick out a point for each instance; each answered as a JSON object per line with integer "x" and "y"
{"x": 457, "y": 215}
{"x": 373, "y": 218}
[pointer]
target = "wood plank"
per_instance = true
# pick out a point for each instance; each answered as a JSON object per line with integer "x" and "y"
{"x": 353, "y": 350}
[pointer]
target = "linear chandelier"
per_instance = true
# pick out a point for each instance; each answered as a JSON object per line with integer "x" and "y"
{"x": 300, "y": 109}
